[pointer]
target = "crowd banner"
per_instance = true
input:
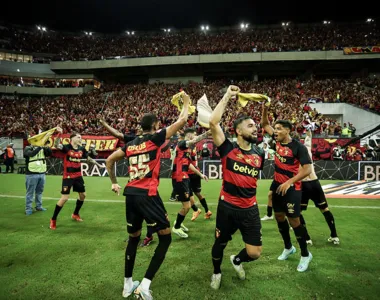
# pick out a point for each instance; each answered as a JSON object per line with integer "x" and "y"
{"x": 361, "y": 50}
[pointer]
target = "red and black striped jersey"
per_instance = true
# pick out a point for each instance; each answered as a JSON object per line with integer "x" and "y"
{"x": 287, "y": 160}
{"x": 143, "y": 160}
{"x": 181, "y": 162}
{"x": 240, "y": 169}
{"x": 71, "y": 161}
{"x": 193, "y": 160}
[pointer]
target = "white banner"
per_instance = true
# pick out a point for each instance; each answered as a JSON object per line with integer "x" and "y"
{"x": 89, "y": 169}
{"x": 369, "y": 170}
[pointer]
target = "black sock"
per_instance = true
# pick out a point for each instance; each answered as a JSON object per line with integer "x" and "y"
{"x": 194, "y": 207}
{"x": 56, "y": 212}
{"x": 217, "y": 255}
{"x": 159, "y": 255}
{"x": 302, "y": 220}
{"x": 204, "y": 204}
{"x": 300, "y": 233}
{"x": 269, "y": 210}
{"x": 78, "y": 207}
{"x": 331, "y": 222}
{"x": 243, "y": 257}
{"x": 283, "y": 227}
{"x": 149, "y": 232}
{"x": 130, "y": 255}
{"x": 179, "y": 221}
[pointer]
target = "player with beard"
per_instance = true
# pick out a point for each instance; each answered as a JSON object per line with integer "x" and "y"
{"x": 237, "y": 207}
{"x": 286, "y": 186}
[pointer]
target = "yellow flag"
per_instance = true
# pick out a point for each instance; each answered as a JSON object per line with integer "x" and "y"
{"x": 243, "y": 98}
{"x": 40, "y": 139}
{"x": 177, "y": 101}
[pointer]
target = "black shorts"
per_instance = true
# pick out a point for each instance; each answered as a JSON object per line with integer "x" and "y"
{"x": 149, "y": 208}
{"x": 195, "y": 183}
{"x": 77, "y": 184}
{"x": 182, "y": 189}
{"x": 230, "y": 218}
{"x": 290, "y": 204}
{"x": 313, "y": 190}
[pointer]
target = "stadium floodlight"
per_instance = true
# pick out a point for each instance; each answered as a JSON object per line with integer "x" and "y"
{"x": 86, "y": 33}
{"x": 90, "y": 33}
{"x": 326, "y": 22}
{"x": 283, "y": 24}
{"x": 38, "y": 27}
{"x": 244, "y": 25}
{"x": 128, "y": 32}
{"x": 164, "y": 29}
{"x": 207, "y": 28}
{"x": 169, "y": 30}
{"x": 369, "y": 20}
{"x": 133, "y": 32}
{"x": 43, "y": 28}
{"x": 202, "y": 27}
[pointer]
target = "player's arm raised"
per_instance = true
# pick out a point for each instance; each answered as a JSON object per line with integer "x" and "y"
{"x": 265, "y": 122}
{"x": 190, "y": 144}
{"x": 57, "y": 141}
{"x": 182, "y": 119}
{"x": 216, "y": 131}
{"x": 111, "y": 130}
{"x": 110, "y": 164}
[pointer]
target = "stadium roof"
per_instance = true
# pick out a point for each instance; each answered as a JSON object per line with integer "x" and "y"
{"x": 111, "y": 16}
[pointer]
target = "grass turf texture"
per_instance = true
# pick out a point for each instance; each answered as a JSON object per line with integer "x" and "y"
{"x": 86, "y": 260}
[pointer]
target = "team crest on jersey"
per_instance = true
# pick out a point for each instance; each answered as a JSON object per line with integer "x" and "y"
{"x": 248, "y": 161}
{"x": 240, "y": 156}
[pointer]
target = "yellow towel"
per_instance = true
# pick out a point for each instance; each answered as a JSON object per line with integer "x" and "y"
{"x": 41, "y": 139}
{"x": 243, "y": 98}
{"x": 177, "y": 101}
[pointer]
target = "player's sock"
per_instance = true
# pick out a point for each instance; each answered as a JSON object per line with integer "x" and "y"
{"x": 130, "y": 255}
{"x": 78, "y": 207}
{"x": 283, "y": 227}
{"x": 302, "y": 220}
{"x": 179, "y": 221}
{"x": 149, "y": 232}
{"x": 56, "y": 212}
{"x": 145, "y": 284}
{"x": 243, "y": 257}
{"x": 269, "y": 211}
{"x": 300, "y": 233}
{"x": 159, "y": 256}
{"x": 173, "y": 194}
{"x": 194, "y": 207}
{"x": 331, "y": 222}
{"x": 128, "y": 283}
{"x": 217, "y": 255}
{"x": 204, "y": 204}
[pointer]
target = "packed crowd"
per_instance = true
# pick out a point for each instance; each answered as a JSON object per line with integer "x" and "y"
{"x": 125, "y": 104}
{"x": 37, "y": 82}
{"x": 98, "y": 46}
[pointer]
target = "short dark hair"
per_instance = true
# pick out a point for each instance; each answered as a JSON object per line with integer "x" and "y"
{"x": 284, "y": 123}
{"x": 188, "y": 130}
{"x": 147, "y": 122}
{"x": 74, "y": 134}
{"x": 238, "y": 121}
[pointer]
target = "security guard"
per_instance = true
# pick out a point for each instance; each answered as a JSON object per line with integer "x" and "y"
{"x": 35, "y": 160}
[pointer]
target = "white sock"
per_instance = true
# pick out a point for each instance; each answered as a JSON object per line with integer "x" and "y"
{"x": 145, "y": 284}
{"x": 128, "y": 283}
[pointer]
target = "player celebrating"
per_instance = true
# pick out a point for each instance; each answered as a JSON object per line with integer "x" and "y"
{"x": 312, "y": 189}
{"x": 286, "y": 186}
{"x": 181, "y": 166}
{"x": 72, "y": 175}
{"x": 196, "y": 186}
{"x": 237, "y": 208}
{"x": 141, "y": 195}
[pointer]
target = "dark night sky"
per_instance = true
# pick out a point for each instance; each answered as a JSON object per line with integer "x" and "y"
{"x": 117, "y": 16}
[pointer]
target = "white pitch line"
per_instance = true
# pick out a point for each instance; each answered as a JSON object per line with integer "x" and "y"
{"x": 175, "y": 203}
